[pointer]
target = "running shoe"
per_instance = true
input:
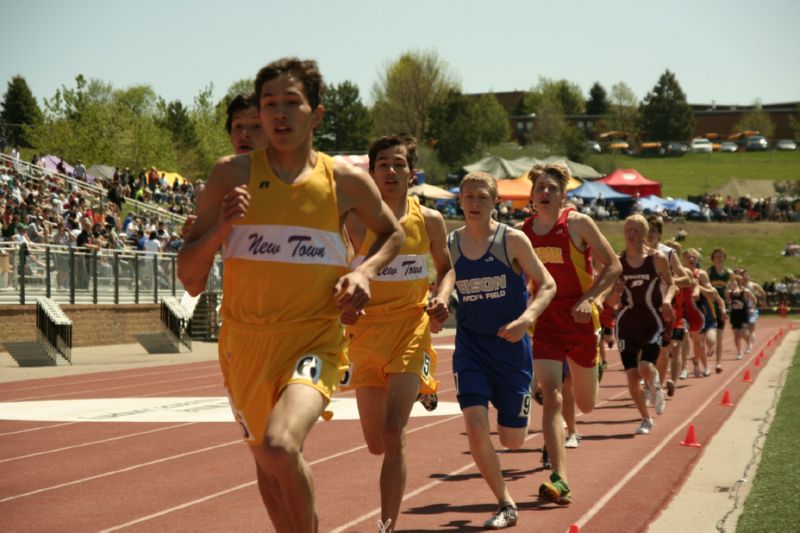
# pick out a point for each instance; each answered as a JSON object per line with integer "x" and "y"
{"x": 556, "y": 490}
{"x": 573, "y": 441}
{"x": 738, "y": 356}
{"x": 660, "y": 401}
{"x": 719, "y": 369}
{"x": 385, "y": 527}
{"x": 546, "y": 459}
{"x": 684, "y": 374}
{"x": 505, "y": 517}
{"x": 670, "y": 388}
{"x": 707, "y": 372}
{"x": 697, "y": 372}
{"x": 429, "y": 401}
{"x": 645, "y": 427}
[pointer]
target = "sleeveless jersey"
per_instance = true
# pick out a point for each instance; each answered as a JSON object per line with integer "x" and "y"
{"x": 719, "y": 280}
{"x": 571, "y": 268}
{"x": 641, "y": 299}
{"x": 401, "y": 285}
{"x": 284, "y": 257}
{"x": 490, "y": 293}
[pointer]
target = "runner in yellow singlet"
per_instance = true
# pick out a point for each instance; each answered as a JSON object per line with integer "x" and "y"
{"x": 279, "y": 213}
{"x": 391, "y": 352}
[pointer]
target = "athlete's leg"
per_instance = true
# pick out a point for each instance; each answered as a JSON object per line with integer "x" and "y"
{"x": 698, "y": 348}
{"x": 402, "y": 393}
{"x": 476, "y": 419}
{"x": 568, "y": 405}
{"x": 270, "y": 490}
{"x": 712, "y": 338}
{"x": 584, "y": 385}
{"x": 550, "y": 373}
{"x": 280, "y": 455}
{"x": 372, "y": 413}
{"x": 720, "y": 340}
{"x": 635, "y": 389}
{"x": 684, "y": 357}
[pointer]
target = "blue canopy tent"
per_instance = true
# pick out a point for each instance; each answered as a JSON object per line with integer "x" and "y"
{"x": 652, "y": 203}
{"x": 591, "y": 190}
{"x": 684, "y": 206}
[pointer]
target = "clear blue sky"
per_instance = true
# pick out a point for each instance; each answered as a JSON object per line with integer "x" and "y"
{"x": 732, "y": 51}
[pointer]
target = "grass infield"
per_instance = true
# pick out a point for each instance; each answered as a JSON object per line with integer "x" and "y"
{"x": 774, "y": 501}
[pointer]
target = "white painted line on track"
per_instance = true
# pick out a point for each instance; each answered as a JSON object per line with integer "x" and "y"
{"x": 666, "y": 440}
{"x": 92, "y": 443}
{"x": 252, "y": 483}
{"x": 38, "y": 428}
{"x": 119, "y": 471}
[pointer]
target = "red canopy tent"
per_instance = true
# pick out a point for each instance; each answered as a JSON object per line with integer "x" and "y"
{"x": 628, "y": 181}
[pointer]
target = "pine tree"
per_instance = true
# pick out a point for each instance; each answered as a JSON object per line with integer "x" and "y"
{"x": 19, "y": 110}
{"x": 665, "y": 115}
{"x": 597, "y": 104}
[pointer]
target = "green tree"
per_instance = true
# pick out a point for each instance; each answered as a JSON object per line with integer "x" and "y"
{"x": 208, "y": 120}
{"x": 406, "y": 90}
{"x": 20, "y": 110}
{"x": 794, "y": 122}
{"x": 452, "y": 129}
{"x": 622, "y": 109}
{"x": 665, "y": 113}
{"x": 597, "y": 104}
{"x": 756, "y": 120}
{"x": 174, "y": 117}
{"x": 347, "y": 123}
{"x": 549, "y": 124}
{"x": 573, "y": 144}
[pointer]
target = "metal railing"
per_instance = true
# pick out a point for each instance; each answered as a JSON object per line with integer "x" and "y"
{"x": 175, "y": 318}
{"x": 90, "y": 276}
{"x": 38, "y": 174}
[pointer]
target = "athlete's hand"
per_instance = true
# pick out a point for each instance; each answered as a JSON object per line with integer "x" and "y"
{"x": 351, "y": 292}
{"x": 667, "y": 313}
{"x": 187, "y": 226}
{"x": 437, "y": 310}
{"x": 514, "y": 330}
{"x": 234, "y": 206}
{"x": 582, "y": 311}
{"x": 350, "y": 317}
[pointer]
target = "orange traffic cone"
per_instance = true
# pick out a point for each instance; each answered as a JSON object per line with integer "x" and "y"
{"x": 574, "y": 528}
{"x": 726, "y": 399}
{"x": 761, "y": 354}
{"x": 746, "y": 377}
{"x": 691, "y": 438}
{"x": 757, "y": 362}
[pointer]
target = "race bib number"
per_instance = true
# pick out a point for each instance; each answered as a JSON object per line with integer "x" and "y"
{"x": 426, "y": 365}
{"x": 347, "y": 376}
{"x": 525, "y": 408}
{"x": 308, "y": 367}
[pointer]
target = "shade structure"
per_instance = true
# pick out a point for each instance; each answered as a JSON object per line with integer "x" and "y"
{"x": 591, "y": 190}
{"x": 756, "y": 188}
{"x": 578, "y": 170}
{"x": 431, "y": 191}
{"x": 517, "y": 191}
{"x": 502, "y": 168}
{"x": 681, "y": 205}
{"x": 101, "y": 171}
{"x": 629, "y": 181}
{"x": 651, "y": 203}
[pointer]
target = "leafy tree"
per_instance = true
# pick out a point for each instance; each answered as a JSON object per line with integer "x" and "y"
{"x": 347, "y": 123}
{"x": 174, "y": 117}
{"x": 622, "y": 109}
{"x": 20, "y": 109}
{"x": 794, "y": 122}
{"x": 549, "y": 123}
{"x": 756, "y": 120}
{"x": 208, "y": 120}
{"x": 597, "y": 104}
{"x": 406, "y": 90}
{"x": 665, "y": 113}
{"x": 492, "y": 121}
{"x": 573, "y": 144}
{"x": 452, "y": 130}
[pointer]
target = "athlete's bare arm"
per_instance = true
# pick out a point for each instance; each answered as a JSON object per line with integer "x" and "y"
{"x": 224, "y": 200}
{"x": 520, "y": 251}
{"x": 680, "y": 276}
{"x": 445, "y": 274}
{"x": 584, "y": 227}
{"x": 708, "y": 290}
{"x": 357, "y": 193}
{"x": 662, "y": 266}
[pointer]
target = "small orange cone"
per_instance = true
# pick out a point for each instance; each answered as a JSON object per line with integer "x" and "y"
{"x": 327, "y": 415}
{"x": 691, "y": 438}
{"x": 746, "y": 377}
{"x": 726, "y": 399}
{"x": 574, "y": 528}
{"x": 761, "y": 353}
{"x": 757, "y": 362}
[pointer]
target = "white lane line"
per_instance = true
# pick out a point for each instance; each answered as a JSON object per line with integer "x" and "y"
{"x": 137, "y": 385}
{"x": 62, "y": 384}
{"x": 92, "y": 443}
{"x": 252, "y": 483}
{"x": 38, "y": 428}
{"x": 119, "y": 471}
{"x": 669, "y": 438}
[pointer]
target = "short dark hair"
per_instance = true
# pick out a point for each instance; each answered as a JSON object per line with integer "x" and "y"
{"x": 390, "y": 141}
{"x": 305, "y": 71}
{"x": 656, "y": 223}
{"x": 560, "y": 173}
{"x": 240, "y": 101}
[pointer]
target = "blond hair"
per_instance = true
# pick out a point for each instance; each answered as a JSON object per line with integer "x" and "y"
{"x": 480, "y": 177}
{"x": 560, "y": 173}
{"x": 640, "y": 219}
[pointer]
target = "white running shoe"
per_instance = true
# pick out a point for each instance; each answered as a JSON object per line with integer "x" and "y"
{"x": 738, "y": 356}
{"x": 660, "y": 401}
{"x": 645, "y": 427}
{"x": 572, "y": 441}
{"x": 385, "y": 528}
{"x": 684, "y": 374}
